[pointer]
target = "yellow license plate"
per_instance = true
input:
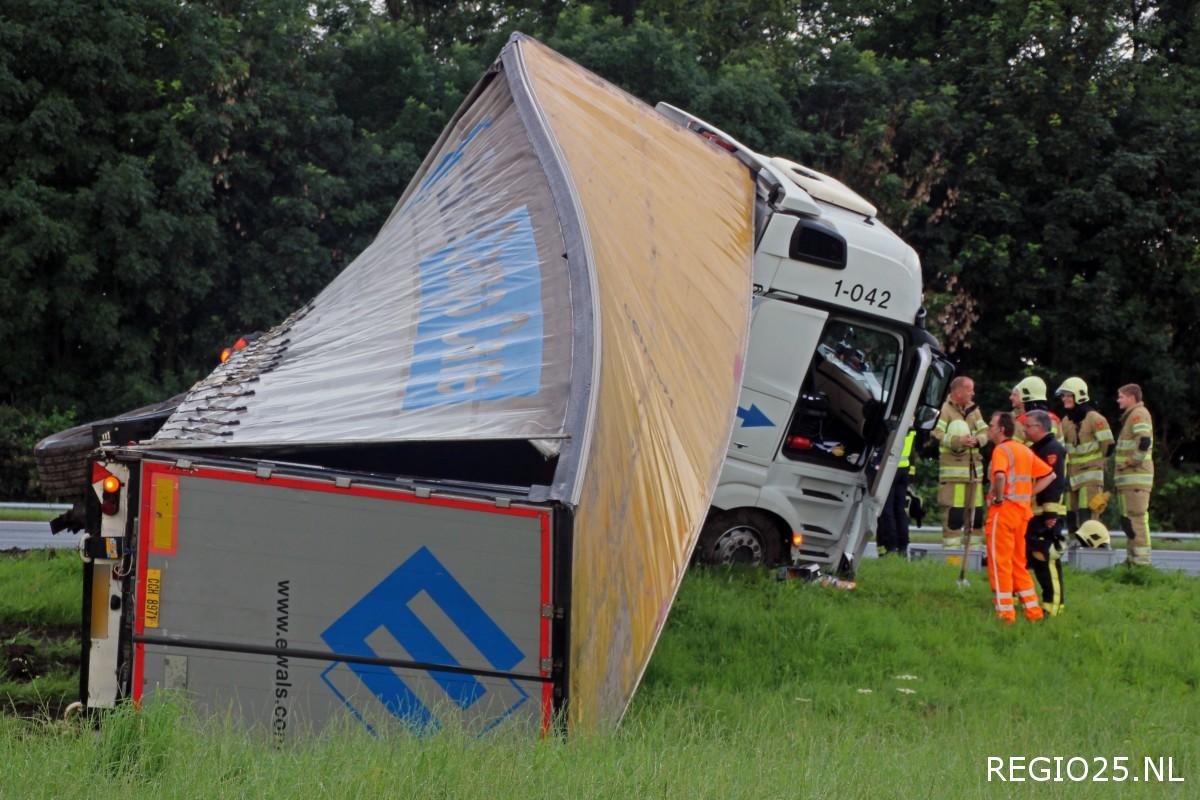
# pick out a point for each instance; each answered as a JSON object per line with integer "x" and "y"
{"x": 153, "y": 590}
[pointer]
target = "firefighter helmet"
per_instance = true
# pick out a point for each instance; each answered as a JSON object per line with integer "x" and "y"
{"x": 1093, "y": 533}
{"x": 1076, "y": 387}
{"x": 958, "y": 427}
{"x": 1031, "y": 388}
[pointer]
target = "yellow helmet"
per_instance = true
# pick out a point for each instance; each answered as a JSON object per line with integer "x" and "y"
{"x": 1093, "y": 533}
{"x": 1076, "y": 387}
{"x": 1031, "y": 388}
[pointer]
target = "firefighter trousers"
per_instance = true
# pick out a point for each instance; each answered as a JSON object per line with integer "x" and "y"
{"x": 1078, "y": 510}
{"x": 952, "y": 497}
{"x": 1135, "y": 521}
{"x": 1007, "y": 572}
{"x": 1043, "y": 550}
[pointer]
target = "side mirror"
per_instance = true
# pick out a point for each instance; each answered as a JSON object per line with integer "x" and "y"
{"x": 926, "y": 418}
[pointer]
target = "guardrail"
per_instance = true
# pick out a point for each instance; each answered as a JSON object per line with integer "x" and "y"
{"x": 1082, "y": 558}
{"x": 36, "y": 506}
{"x": 1181, "y": 535}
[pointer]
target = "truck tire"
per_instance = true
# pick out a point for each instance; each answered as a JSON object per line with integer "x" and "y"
{"x": 743, "y": 536}
{"x": 62, "y": 462}
{"x": 62, "y": 458}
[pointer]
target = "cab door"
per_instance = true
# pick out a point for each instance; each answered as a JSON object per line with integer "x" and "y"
{"x": 782, "y": 338}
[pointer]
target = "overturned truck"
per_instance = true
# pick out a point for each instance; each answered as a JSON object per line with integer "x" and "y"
{"x": 466, "y": 479}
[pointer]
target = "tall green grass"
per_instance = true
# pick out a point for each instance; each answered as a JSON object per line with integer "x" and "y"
{"x": 41, "y": 588}
{"x": 757, "y": 690}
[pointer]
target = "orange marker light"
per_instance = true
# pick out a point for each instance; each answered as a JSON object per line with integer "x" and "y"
{"x": 225, "y": 354}
{"x": 797, "y": 539}
{"x": 111, "y": 484}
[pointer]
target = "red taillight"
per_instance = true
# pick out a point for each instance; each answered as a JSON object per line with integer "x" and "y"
{"x": 799, "y": 442}
{"x": 240, "y": 343}
{"x": 718, "y": 141}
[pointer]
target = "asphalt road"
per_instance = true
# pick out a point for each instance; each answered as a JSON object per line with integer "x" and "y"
{"x": 34, "y": 535}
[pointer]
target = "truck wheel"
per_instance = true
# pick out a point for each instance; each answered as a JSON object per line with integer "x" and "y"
{"x": 744, "y": 536}
{"x": 62, "y": 462}
{"x": 62, "y": 458}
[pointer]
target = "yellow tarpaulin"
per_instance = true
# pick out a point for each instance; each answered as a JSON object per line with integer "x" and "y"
{"x": 669, "y": 221}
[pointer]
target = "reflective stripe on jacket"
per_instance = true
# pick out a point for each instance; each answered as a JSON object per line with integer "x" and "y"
{"x": 1049, "y": 500}
{"x": 1136, "y": 426}
{"x": 1086, "y": 444}
{"x": 1020, "y": 468}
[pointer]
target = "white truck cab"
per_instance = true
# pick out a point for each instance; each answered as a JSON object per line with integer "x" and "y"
{"x": 839, "y": 367}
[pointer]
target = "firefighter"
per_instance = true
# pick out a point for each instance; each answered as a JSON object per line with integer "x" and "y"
{"x": 1017, "y": 475}
{"x": 1030, "y": 395}
{"x": 1135, "y": 472}
{"x": 1044, "y": 540}
{"x": 1087, "y": 437}
{"x": 960, "y": 431}
{"x": 892, "y": 532}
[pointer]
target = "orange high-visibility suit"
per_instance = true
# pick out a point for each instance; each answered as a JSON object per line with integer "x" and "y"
{"x": 1005, "y": 529}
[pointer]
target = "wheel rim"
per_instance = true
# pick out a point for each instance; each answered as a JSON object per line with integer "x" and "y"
{"x": 738, "y": 545}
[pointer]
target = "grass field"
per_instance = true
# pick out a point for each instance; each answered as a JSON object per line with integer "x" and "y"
{"x": 26, "y": 515}
{"x": 758, "y": 689}
{"x": 39, "y": 632}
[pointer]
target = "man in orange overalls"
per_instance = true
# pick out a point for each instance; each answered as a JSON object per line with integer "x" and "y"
{"x": 1014, "y": 470}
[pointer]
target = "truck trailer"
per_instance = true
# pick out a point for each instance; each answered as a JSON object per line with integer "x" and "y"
{"x": 462, "y": 485}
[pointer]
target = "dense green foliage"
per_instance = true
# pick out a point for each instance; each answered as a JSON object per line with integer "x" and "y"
{"x": 174, "y": 174}
{"x": 757, "y": 689}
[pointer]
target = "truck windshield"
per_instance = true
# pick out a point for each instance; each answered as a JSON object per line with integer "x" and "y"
{"x": 840, "y": 415}
{"x": 865, "y": 357}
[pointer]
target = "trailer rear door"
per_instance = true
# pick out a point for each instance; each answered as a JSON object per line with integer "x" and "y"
{"x": 294, "y": 600}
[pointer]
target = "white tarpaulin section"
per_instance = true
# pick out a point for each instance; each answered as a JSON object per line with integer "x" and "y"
{"x": 455, "y": 323}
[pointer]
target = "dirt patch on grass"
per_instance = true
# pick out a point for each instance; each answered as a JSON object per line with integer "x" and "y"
{"x": 39, "y": 670}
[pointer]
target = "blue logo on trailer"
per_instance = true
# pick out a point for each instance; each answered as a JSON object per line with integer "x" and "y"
{"x": 447, "y": 164}
{"x": 386, "y": 606}
{"x": 479, "y": 331}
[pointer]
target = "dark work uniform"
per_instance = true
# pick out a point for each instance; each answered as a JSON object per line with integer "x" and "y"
{"x": 1044, "y": 541}
{"x": 892, "y": 533}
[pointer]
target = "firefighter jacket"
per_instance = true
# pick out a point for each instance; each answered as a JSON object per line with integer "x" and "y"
{"x": 1049, "y": 502}
{"x": 1088, "y": 439}
{"x": 955, "y": 460}
{"x": 1134, "y": 462}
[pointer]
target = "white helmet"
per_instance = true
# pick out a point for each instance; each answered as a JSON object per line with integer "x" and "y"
{"x": 957, "y": 427}
{"x": 1076, "y": 387}
{"x": 1031, "y": 388}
